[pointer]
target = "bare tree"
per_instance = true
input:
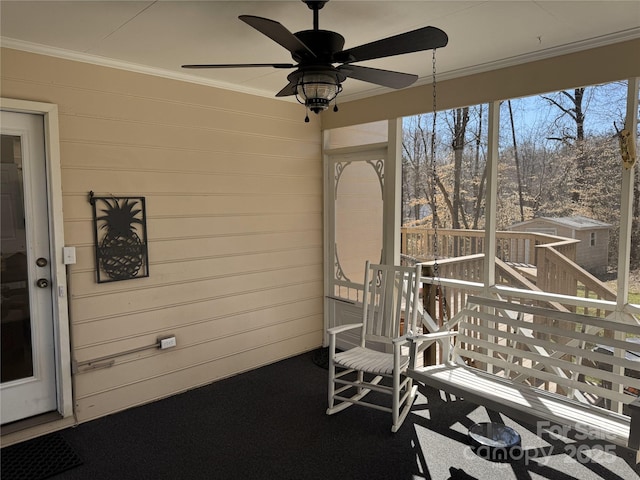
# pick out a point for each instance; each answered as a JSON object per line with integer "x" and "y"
{"x": 413, "y": 158}
{"x": 517, "y": 162}
{"x": 576, "y": 112}
{"x": 416, "y": 169}
{"x": 479, "y": 170}
{"x": 460, "y": 120}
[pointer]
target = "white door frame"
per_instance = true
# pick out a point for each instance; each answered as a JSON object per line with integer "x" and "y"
{"x": 61, "y": 335}
{"x": 391, "y": 217}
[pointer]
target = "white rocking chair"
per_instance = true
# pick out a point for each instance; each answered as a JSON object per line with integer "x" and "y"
{"x": 390, "y": 302}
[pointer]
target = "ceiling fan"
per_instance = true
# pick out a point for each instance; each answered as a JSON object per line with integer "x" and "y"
{"x": 316, "y": 82}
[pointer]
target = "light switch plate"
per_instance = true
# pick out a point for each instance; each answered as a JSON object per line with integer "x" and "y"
{"x": 69, "y": 255}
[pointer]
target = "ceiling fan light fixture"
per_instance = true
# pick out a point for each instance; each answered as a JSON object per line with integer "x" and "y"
{"x": 317, "y": 90}
{"x": 316, "y": 82}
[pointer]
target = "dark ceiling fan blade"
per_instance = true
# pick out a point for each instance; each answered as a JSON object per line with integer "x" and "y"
{"x": 287, "y": 91}
{"x": 240, "y": 65}
{"x": 276, "y": 32}
{"x": 425, "y": 38}
{"x": 386, "y": 78}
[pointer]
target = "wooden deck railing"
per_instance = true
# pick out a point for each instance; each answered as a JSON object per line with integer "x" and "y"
{"x": 524, "y": 260}
{"x": 558, "y": 274}
{"x": 512, "y": 247}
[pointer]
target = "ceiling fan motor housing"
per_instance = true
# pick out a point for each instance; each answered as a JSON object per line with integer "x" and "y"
{"x": 323, "y": 43}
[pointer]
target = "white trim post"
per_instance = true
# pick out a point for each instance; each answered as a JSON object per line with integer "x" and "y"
{"x": 626, "y": 199}
{"x": 489, "y": 279}
{"x": 392, "y": 194}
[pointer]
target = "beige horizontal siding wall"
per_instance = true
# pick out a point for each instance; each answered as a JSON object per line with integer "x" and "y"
{"x": 233, "y": 187}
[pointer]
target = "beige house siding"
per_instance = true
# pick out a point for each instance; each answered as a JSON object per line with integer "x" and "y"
{"x": 233, "y": 187}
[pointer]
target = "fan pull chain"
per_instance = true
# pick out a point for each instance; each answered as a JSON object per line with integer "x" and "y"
{"x": 306, "y": 118}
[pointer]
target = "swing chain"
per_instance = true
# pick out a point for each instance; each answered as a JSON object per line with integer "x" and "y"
{"x": 434, "y": 172}
{"x": 436, "y": 274}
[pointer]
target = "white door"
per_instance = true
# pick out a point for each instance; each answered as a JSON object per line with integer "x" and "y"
{"x": 28, "y": 384}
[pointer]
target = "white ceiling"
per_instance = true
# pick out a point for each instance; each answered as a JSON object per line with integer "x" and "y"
{"x": 158, "y": 36}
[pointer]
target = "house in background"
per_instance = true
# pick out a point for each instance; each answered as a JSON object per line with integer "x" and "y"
{"x": 237, "y": 186}
{"x": 592, "y": 253}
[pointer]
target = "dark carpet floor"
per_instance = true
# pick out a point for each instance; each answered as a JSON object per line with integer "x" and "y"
{"x": 270, "y": 423}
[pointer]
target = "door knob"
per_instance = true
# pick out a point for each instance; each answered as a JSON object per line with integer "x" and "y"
{"x": 42, "y": 283}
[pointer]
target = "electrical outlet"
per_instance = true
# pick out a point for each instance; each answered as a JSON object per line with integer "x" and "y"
{"x": 167, "y": 342}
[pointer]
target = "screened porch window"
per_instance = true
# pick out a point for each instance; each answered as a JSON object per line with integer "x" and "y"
{"x": 559, "y": 180}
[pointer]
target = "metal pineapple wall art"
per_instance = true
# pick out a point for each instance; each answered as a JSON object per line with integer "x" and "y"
{"x": 120, "y": 232}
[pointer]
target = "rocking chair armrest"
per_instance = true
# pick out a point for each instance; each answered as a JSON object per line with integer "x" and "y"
{"x": 422, "y": 342}
{"x": 343, "y": 328}
{"x": 402, "y": 339}
{"x": 433, "y": 336}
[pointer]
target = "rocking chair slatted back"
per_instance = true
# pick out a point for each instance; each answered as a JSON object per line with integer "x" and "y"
{"x": 388, "y": 296}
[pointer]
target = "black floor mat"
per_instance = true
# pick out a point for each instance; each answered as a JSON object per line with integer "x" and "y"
{"x": 37, "y": 459}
